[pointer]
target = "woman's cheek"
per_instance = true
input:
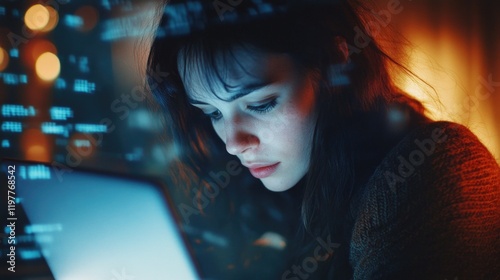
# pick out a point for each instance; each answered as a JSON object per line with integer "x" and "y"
{"x": 276, "y": 126}
{"x": 266, "y": 133}
{"x": 219, "y": 130}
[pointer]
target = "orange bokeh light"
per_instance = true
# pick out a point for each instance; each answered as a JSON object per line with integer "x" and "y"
{"x": 35, "y": 145}
{"x": 4, "y": 59}
{"x": 48, "y": 66}
{"x": 34, "y": 48}
{"x": 37, "y": 153}
{"x": 53, "y": 19}
{"x": 37, "y": 17}
{"x": 90, "y": 17}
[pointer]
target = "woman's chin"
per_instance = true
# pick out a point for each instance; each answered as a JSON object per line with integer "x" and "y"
{"x": 276, "y": 185}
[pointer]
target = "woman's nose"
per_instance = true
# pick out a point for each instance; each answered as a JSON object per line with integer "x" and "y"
{"x": 239, "y": 139}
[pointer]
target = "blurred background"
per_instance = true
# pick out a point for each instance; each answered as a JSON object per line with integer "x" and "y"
{"x": 71, "y": 89}
{"x": 454, "y": 47}
{"x": 71, "y": 94}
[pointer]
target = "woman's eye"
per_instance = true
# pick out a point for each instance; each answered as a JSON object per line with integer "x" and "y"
{"x": 215, "y": 115}
{"x": 264, "y": 108}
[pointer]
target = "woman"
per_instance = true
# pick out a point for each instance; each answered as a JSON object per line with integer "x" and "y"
{"x": 300, "y": 93}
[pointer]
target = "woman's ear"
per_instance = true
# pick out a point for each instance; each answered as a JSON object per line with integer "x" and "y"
{"x": 341, "y": 45}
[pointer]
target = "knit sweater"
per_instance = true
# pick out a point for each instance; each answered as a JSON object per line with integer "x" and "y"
{"x": 431, "y": 210}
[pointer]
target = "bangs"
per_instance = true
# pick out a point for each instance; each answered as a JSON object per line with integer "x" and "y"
{"x": 209, "y": 62}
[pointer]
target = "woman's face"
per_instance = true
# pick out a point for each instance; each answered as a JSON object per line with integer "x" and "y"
{"x": 265, "y": 117}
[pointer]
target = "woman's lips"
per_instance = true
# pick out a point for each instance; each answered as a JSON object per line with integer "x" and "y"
{"x": 263, "y": 171}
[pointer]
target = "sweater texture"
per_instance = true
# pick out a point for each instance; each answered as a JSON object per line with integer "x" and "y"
{"x": 431, "y": 210}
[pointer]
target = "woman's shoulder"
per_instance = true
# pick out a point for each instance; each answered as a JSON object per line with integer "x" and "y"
{"x": 438, "y": 158}
{"x": 432, "y": 148}
{"x": 436, "y": 189}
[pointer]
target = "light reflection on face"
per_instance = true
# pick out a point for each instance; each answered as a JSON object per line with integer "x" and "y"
{"x": 266, "y": 117}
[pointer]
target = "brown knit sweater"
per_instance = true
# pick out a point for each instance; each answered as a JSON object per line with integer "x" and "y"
{"x": 431, "y": 210}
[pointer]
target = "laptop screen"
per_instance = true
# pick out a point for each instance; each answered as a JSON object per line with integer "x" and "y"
{"x": 97, "y": 226}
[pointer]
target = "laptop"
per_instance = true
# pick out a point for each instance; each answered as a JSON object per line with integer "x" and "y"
{"x": 90, "y": 225}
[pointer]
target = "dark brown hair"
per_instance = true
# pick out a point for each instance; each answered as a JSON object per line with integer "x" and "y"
{"x": 354, "y": 98}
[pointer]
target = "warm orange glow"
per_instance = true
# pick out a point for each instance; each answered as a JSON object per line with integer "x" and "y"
{"x": 4, "y": 59}
{"x": 455, "y": 68}
{"x": 48, "y": 66}
{"x": 35, "y": 145}
{"x": 37, "y": 153}
{"x": 34, "y": 49}
{"x": 37, "y": 17}
{"x": 439, "y": 67}
{"x": 53, "y": 19}
{"x": 90, "y": 17}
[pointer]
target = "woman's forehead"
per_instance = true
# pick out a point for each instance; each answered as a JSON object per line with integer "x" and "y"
{"x": 229, "y": 71}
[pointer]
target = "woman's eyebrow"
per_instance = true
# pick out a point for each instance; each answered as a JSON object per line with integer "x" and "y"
{"x": 245, "y": 90}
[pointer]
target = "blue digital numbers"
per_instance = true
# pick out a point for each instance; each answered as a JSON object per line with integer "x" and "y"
{"x": 53, "y": 128}
{"x": 12, "y": 127}
{"x": 37, "y": 172}
{"x": 14, "y": 79}
{"x": 14, "y": 110}
{"x": 91, "y": 128}
{"x": 84, "y": 86}
{"x": 73, "y": 21}
{"x": 60, "y": 113}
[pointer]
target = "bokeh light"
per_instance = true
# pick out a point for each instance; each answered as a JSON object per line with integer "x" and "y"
{"x": 37, "y": 152}
{"x": 90, "y": 17}
{"x": 37, "y": 17}
{"x": 53, "y": 19}
{"x": 4, "y": 59}
{"x": 34, "y": 48}
{"x": 48, "y": 66}
{"x": 36, "y": 145}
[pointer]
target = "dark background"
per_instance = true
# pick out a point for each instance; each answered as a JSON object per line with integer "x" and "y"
{"x": 101, "y": 46}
